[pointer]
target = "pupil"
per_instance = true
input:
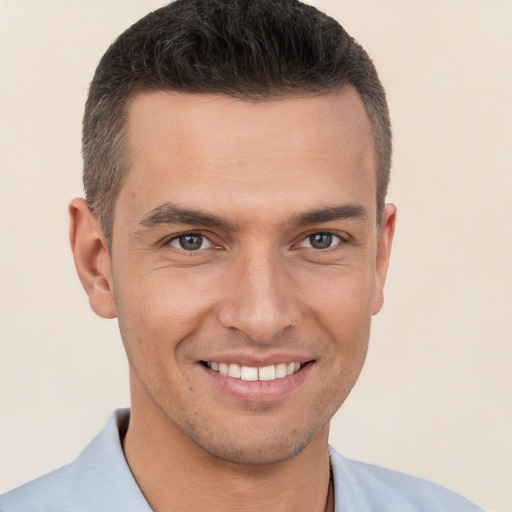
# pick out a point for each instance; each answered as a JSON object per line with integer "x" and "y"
{"x": 191, "y": 242}
{"x": 321, "y": 240}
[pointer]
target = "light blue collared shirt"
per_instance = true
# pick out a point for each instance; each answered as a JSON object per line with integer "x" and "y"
{"x": 99, "y": 480}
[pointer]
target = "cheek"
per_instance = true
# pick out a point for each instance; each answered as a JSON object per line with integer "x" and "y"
{"x": 343, "y": 311}
{"x": 344, "y": 317}
{"x": 344, "y": 296}
{"x": 156, "y": 312}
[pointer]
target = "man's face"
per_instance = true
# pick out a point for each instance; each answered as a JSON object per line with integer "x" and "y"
{"x": 244, "y": 242}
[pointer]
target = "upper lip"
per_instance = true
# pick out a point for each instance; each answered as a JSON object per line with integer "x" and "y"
{"x": 251, "y": 360}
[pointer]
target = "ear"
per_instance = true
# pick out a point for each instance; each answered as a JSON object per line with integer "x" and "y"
{"x": 386, "y": 232}
{"x": 92, "y": 259}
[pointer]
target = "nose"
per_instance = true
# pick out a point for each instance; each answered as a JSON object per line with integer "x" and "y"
{"x": 260, "y": 299}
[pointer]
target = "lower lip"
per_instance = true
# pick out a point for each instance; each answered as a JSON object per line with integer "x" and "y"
{"x": 258, "y": 391}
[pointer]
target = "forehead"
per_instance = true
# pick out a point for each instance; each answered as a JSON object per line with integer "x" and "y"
{"x": 199, "y": 148}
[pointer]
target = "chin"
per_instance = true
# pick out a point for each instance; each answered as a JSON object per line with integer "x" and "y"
{"x": 257, "y": 452}
{"x": 255, "y": 444}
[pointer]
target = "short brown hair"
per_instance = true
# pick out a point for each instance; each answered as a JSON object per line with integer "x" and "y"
{"x": 250, "y": 49}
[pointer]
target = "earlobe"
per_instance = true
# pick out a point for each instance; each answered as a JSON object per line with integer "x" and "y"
{"x": 92, "y": 259}
{"x": 387, "y": 230}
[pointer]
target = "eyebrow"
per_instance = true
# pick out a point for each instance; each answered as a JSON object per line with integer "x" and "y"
{"x": 170, "y": 213}
{"x": 330, "y": 213}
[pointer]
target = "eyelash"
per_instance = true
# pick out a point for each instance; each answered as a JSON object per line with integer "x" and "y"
{"x": 322, "y": 233}
{"x": 341, "y": 240}
{"x": 177, "y": 238}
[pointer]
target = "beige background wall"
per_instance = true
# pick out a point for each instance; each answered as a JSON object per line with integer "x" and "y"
{"x": 435, "y": 398}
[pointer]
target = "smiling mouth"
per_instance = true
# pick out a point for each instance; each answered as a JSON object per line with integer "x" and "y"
{"x": 253, "y": 373}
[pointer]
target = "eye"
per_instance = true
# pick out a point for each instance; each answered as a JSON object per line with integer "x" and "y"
{"x": 321, "y": 241}
{"x": 190, "y": 242}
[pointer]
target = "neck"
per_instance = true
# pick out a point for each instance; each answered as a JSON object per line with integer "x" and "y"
{"x": 174, "y": 473}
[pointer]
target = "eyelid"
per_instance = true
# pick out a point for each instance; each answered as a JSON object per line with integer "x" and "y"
{"x": 175, "y": 238}
{"x": 342, "y": 238}
{"x": 305, "y": 238}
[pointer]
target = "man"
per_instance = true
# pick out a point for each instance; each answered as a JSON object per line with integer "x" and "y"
{"x": 236, "y": 161}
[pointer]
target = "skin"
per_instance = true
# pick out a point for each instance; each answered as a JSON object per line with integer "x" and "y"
{"x": 256, "y": 288}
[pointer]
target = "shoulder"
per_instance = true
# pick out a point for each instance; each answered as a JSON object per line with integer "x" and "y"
{"x": 49, "y": 492}
{"x": 372, "y": 488}
{"x": 99, "y": 479}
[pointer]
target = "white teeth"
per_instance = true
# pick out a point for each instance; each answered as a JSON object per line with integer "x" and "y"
{"x": 267, "y": 373}
{"x": 234, "y": 371}
{"x": 280, "y": 370}
{"x": 250, "y": 373}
